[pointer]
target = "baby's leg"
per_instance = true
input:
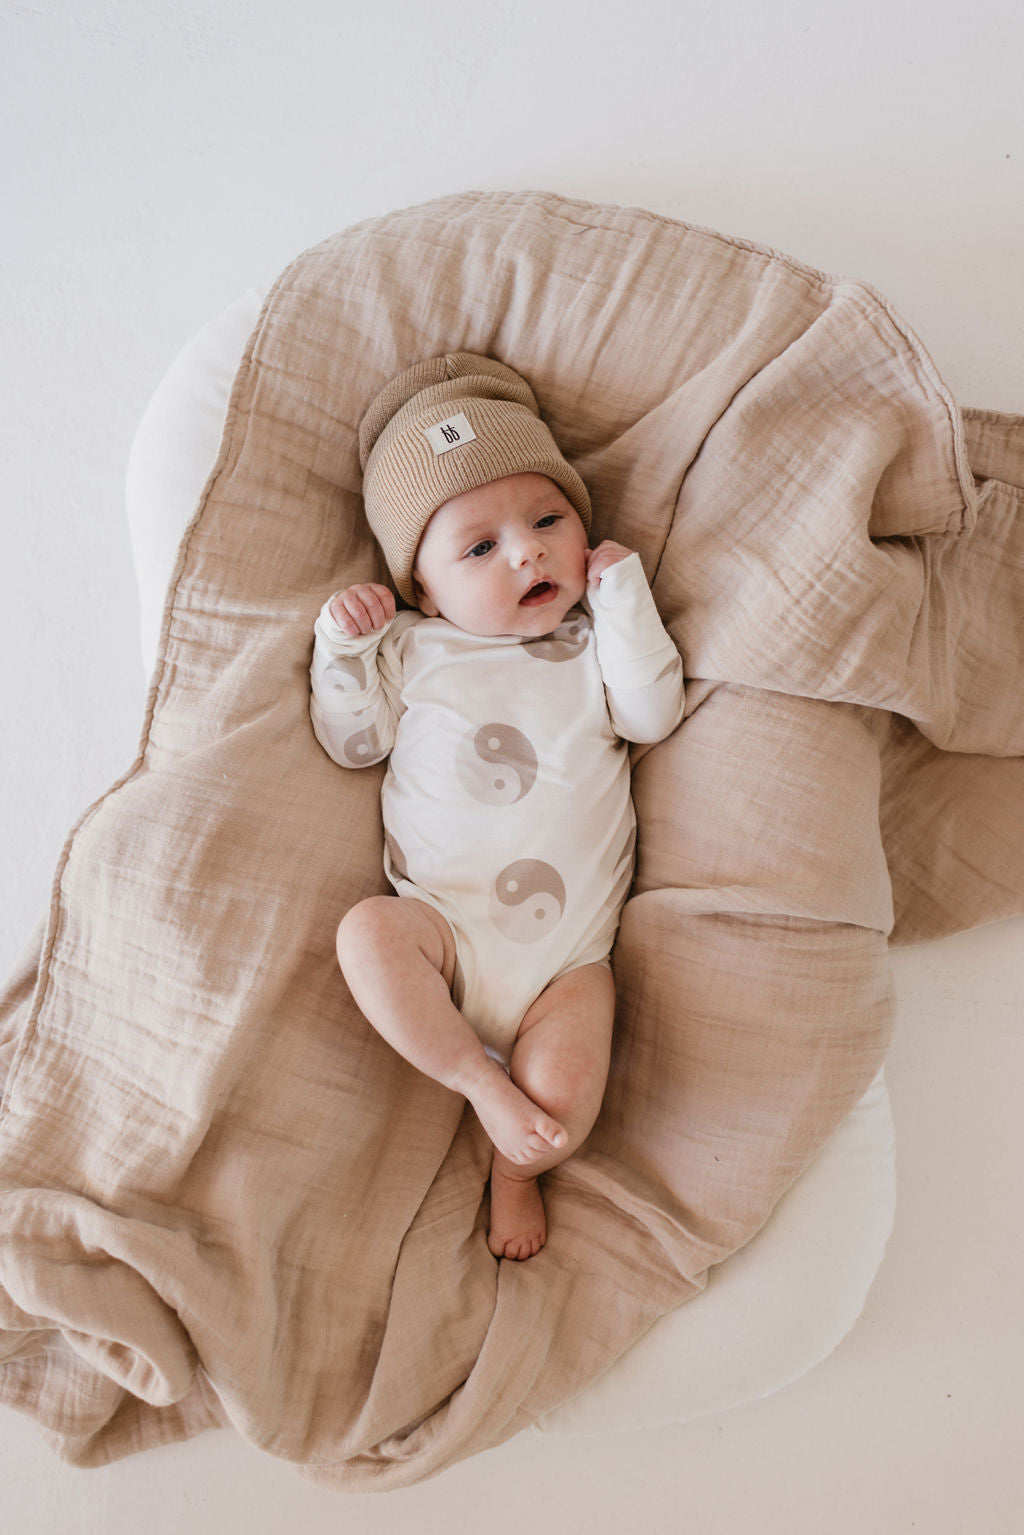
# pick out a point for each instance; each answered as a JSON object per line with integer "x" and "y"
{"x": 398, "y": 956}
{"x": 561, "y": 1061}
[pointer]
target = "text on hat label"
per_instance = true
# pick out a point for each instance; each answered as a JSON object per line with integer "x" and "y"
{"x": 452, "y": 433}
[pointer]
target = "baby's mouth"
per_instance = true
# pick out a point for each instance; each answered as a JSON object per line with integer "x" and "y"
{"x": 539, "y": 593}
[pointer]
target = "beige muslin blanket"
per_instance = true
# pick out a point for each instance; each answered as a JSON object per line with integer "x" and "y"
{"x": 224, "y": 1198}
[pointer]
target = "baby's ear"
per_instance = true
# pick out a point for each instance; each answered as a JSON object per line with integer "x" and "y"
{"x": 423, "y": 602}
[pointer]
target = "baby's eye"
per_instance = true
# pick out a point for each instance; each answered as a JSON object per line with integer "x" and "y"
{"x": 548, "y": 520}
{"x": 483, "y": 547}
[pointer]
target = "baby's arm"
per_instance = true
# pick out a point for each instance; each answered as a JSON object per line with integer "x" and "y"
{"x": 354, "y": 705}
{"x": 642, "y": 669}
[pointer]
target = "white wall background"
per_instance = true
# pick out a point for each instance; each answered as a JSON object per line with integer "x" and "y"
{"x": 162, "y": 157}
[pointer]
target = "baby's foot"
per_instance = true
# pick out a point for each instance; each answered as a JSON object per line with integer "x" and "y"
{"x": 518, "y": 1228}
{"x": 520, "y": 1130}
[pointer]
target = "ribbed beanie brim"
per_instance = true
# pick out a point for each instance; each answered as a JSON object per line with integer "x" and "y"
{"x": 408, "y": 474}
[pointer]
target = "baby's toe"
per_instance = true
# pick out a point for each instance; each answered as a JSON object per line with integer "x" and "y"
{"x": 550, "y": 1132}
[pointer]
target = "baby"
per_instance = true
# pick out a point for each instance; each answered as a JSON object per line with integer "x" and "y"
{"x": 504, "y": 705}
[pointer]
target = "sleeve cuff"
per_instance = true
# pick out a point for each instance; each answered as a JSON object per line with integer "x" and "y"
{"x": 340, "y": 643}
{"x": 632, "y": 644}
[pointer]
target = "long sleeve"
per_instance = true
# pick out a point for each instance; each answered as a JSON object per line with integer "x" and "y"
{"x": 355, "y": 703}
{"x": 641, "y": 667}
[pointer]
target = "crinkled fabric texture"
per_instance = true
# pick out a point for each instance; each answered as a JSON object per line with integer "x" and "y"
{"x": 224, "y": 1199}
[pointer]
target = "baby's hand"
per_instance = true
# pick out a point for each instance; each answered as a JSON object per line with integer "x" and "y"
{"x": 602, "y": 558}
{"x": 362, "y": 609}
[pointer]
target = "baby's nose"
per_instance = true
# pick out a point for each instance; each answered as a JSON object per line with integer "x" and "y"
{"x": 527, "y": 549}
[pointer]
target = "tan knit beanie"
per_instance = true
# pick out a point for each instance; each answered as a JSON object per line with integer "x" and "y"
{"x": 442, "y": 427}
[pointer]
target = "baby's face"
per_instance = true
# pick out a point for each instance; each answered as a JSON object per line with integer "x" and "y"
{"x": 507, "y": 558}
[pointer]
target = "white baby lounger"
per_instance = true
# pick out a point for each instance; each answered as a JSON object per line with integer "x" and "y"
{"x": 781, "y": 1304}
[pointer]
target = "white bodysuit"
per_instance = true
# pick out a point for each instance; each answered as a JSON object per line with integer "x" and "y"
{"x": 506, "y": 802}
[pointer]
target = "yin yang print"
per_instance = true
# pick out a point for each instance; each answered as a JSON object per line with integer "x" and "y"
{"x": 496, "y": 764}
{"x": 364, "y": 747}
{"x": 527, "y": 900}
{"x": 564, "y": 643}
{"x": 396, "y": 858}
{"x": 347, "y": 674}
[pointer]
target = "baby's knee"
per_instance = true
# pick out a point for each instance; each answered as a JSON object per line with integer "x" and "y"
{"x": 364, "y": 928}
{"x": 569, "y": 1088}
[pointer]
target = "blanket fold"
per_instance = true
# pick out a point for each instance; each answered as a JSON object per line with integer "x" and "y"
{"x": 223, "y": 1198}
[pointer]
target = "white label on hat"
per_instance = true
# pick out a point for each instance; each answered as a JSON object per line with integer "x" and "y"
{"x": 449, "y": 434}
